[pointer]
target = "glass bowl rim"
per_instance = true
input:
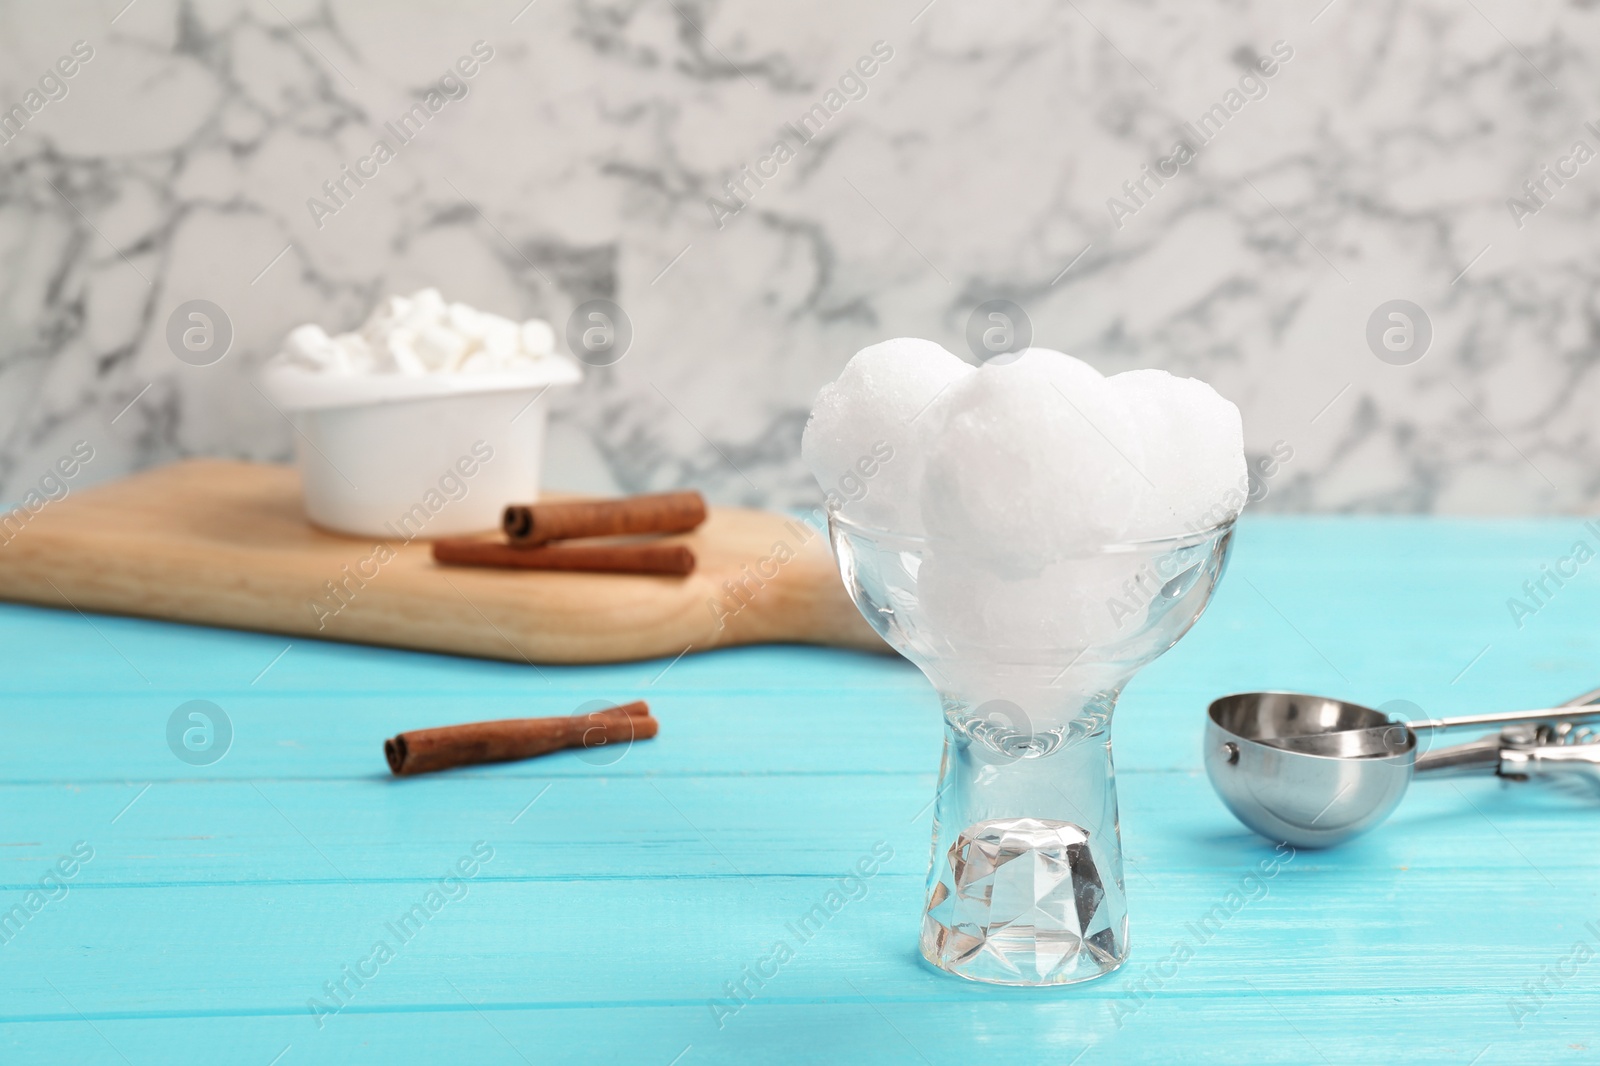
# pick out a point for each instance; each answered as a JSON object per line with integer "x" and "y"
{"x": 836, "y": 519}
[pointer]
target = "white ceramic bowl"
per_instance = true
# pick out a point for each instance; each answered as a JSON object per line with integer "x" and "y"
{"x": 397, "y": 457}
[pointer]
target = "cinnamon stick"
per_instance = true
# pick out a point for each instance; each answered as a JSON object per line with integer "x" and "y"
{"x": 648, "y": 558}
{"x": 421, "y": 751}
{"x": 530, "y": 525}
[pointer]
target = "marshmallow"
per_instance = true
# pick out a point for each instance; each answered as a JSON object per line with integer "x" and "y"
{"x": 311, "y": 347}
{"x": 501, "y": 337}
{"x": 465, "y": 320}
{"x": 403, "y": 355}
{"x": 537, "y": 337}
{"x": 440, "y": 348}
{"x": 423, "y": 334}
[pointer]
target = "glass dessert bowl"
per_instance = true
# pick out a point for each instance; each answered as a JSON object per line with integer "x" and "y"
{"x": 1025, "y": 885}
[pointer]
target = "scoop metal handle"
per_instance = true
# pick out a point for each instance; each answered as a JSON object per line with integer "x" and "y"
{"x": 1493, "y": 755}
{"x": 1473, "y": 757}
{"x": 1565, "y": 713}
{"x": 1550, "y": 759}
{"x": 1491, "y": 752}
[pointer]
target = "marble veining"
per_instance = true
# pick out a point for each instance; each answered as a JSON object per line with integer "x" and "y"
{"x": 627, "y": 150}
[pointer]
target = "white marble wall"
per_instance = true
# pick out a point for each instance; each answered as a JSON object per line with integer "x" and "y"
{"x": 978, "y": 164}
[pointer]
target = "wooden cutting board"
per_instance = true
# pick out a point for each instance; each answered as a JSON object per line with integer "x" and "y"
{"x": 227, "y": 544}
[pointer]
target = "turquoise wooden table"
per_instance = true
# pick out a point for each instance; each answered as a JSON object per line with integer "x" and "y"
{"x": 291, "y": 903}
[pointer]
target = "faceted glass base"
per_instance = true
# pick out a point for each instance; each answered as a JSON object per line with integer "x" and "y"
{"x": 1021, "y": 901}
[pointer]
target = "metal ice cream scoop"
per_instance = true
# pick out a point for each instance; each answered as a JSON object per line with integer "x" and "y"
{"x": 1315, "y": 771}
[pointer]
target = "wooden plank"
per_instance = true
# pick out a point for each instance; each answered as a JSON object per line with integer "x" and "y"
{"x": 620, "y": 902}
{"x": 699, "y": 826}
{"x": 268, "y": 949}
{"x": 226, "y": 543}
{"x": 1340, "y": 1029}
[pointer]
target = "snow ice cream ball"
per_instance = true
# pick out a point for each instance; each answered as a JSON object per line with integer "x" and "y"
{"x": 1193, "y": 452}
{"x": 953, "y": 592}
{"x": 870, "y": 419}
{"x": 1064, "y": 372}
{"x": 1034, "y": 459}
{"x": 1080, "y": 601}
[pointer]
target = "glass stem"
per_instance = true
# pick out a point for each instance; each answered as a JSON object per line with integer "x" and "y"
{"x": 1026, "y": 885}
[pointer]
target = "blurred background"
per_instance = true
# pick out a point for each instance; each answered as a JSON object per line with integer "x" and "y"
{"x": 1397, "y": 152}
